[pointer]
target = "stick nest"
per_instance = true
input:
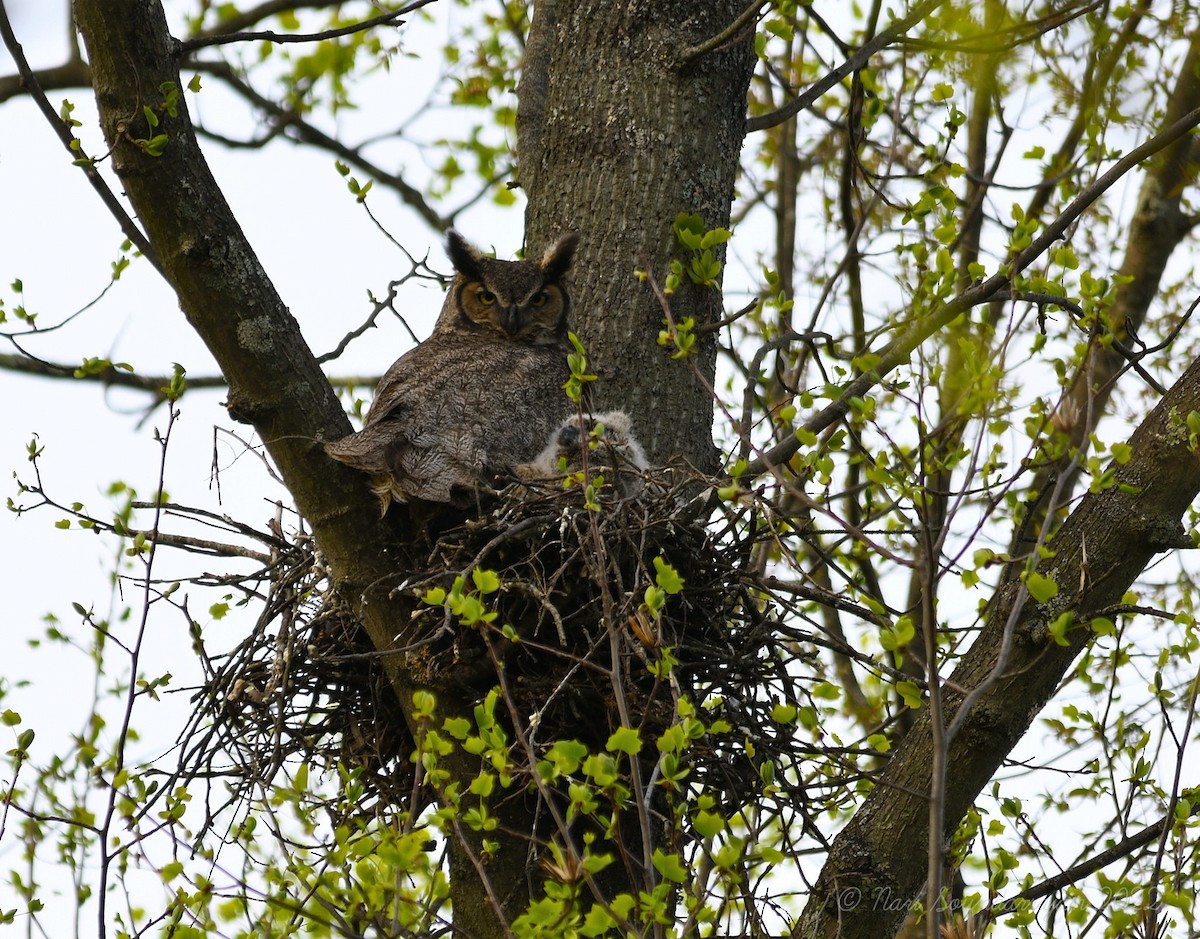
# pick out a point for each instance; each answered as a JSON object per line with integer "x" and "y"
{"x": 570, "y": 636}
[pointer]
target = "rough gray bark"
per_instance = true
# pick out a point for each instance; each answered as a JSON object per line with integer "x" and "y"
{"x": 630, "y": 133}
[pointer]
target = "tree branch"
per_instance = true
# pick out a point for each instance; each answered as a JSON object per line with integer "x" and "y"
{"x": 30, "y": 81}
{"x": 852, "y": 64}
{"x": 1073, "y": 875}
{"x": 109, "y": 377}
{"x": 309, "y": 134}
{"x": 73, "y": 74}
{"x": 113, "y": 377}
{"x": 268, "y": 35}
{"x": 1098, "y": 553}
{"x": 274, "y": 381}
{"x": 898, "y": 351}
{"x": 725, "y": 35}
{"x": 246, "y": 18}
{"x": 1155, "y": 231}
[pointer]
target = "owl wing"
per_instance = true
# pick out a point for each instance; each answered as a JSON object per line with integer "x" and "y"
{"x": 414, "y": 434}
{"x": 453, "y": 411}
{"x": 368, "y": 449}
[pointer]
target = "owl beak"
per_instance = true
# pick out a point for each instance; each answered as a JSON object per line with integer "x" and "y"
{"x": 509, "y": 320}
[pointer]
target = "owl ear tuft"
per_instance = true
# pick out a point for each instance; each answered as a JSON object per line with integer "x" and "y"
{"x": 558, "y": 258}
{"x": 463, "y": 255}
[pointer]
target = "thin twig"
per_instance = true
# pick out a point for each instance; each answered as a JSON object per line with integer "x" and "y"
{"x": 852, "y": 64}
{"x": 269, "y": 35}
{"x": 724, "y": 36}
{"x": 107, "y": 196}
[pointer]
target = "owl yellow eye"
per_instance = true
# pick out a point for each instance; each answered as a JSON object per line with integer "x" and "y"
{"x": 485, "y": 296}
{"x": 539, "y": 298}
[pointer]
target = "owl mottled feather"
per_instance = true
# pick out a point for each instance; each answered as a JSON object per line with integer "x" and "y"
{"x": 482, "y": 393}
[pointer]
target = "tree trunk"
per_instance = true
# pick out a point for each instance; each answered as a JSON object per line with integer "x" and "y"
{"x": 621, "y": 130}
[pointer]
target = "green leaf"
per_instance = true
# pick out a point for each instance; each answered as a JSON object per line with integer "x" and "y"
{"x": 708, "y": 824}
{"x": 457, "y": 727}
{"x": 784, "y": 713}
{"x": 781, "y": 27}
{"x": 1042, "y": 589}
{"x": 434, "y": 596}
{"x": 566, "y": 756}
{"x": 485, "y": 581}
{"x": 654, "y": 597}
{"x": 670, "y": 866}
{"x": 715, "y": 236}
{"x": 666, "y": 576}
{"x": 689, "y": 229}
{"x": 10, "y": 718}
{"x": 174, "y": 391}
{"x": 910, "y": 691}
{"x": 155, "y": 145}
{"x": 600, "y": 768}
{"x": 1065, "y": 257}
{"x": 898, "y": 636}
{"x": 624, "y": 740}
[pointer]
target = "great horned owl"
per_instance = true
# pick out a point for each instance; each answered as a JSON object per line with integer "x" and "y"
{"x": 612, "y": 451}
{"x": 482, "y": 393}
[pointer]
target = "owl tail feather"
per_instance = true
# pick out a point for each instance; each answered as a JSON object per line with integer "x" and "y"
{"x": 366, "y": 450}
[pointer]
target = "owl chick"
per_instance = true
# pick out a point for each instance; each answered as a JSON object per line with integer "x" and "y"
{"x": 482, "y": 393}
{"x": 612, "y": 452}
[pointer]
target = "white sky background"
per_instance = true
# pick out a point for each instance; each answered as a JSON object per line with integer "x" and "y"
{"x": 323, "y": 255}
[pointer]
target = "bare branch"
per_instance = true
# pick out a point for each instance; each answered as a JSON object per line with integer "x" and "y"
{"x": 107, "y": 196}
{"x": 898, "y": 351}
{"x": 307, "y": 133}
{"x": 268, "y": 35}
{"x": 73, "y": 74}
{"x": 114, "y": 377}
{"x": 1073, "y": 875}
{"x": 852, "y": 64}
{"x": 111, "y": 376}
{"x": 246, "y": 18}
